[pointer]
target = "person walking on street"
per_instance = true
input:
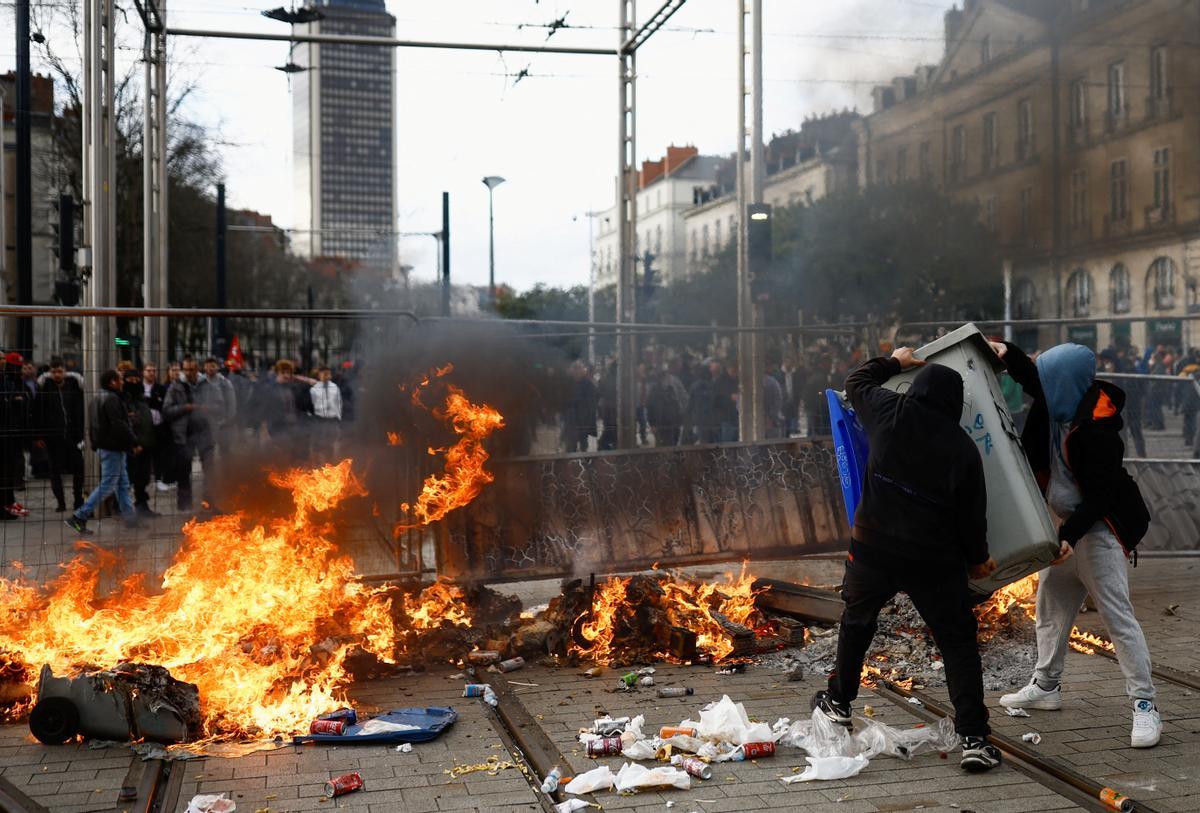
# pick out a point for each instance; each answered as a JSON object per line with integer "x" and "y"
{"x": 140, "y": 465}
{"x": 327, "y": 412}
{"x": 60, "y": 421}
{"x": 153, "y": 392}
{"x": 15, "y": 432}
{"x": 1072, "y": 439}
{"x": 921, "y": 529}
{"x": 191, "y": 430}
{"x": 579, "y": 412}
{"x": 113, "y": 439}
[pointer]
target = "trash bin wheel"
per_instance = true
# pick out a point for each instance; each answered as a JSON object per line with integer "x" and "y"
{"x": 54, "y": 720}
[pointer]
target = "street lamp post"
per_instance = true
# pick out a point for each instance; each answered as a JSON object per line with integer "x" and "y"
{"x": 491, "y": 182}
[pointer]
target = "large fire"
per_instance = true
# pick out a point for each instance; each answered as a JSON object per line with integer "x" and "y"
{"x": 700, "y": 607}
{"x": 260, "y": 616}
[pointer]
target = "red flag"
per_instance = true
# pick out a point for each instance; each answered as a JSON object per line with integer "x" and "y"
{"x": 234, "y": 360}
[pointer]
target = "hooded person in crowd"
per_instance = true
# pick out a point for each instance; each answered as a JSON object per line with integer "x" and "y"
{"x": 1073, "y": 441}
{"x": 61, "y": 428}
{"x": 920, "y": 529}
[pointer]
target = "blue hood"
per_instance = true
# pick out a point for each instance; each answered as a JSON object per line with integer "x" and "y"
{"x": 1066, "y": 372}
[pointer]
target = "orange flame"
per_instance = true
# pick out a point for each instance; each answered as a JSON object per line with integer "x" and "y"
{"x": 464, "y": 475}
{"x": 394, "y": 439}
{"x": 261, "y": 616}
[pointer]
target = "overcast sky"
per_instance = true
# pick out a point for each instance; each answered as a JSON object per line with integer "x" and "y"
{"x": 552, "y": 135}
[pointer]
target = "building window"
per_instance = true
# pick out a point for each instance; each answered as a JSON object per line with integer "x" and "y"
{"x": 902, "y": 164}
{"x": 1027, "y": 212}
{"x": 985, "y": 50}
{"x": 1078, "y": 100}
{"x": 717, "y": 235}
{"x": 1024, "y": 299}
{"x": 1158, "y": 73}
{"x": 958, "y": 153}
{"x": 704, "y": 240}
{"x": 990, "y": 148}
{"x": 1161, "y": 280}
{"x": 658, "y": 240}
{"x": 695, "y": 247}
{"x": 1024, "y": 129}
{"x": 1079, "y": 292}
{"x": 1118, "y": 191}
{"x": 1079, "y": 200}
{"x": 1120, "y": 289}
{"x": 1116, "y": 94}
{"x": 1162, "y": 180}
{"x": 991, "y": 208}
{"x": 926, "y": 161}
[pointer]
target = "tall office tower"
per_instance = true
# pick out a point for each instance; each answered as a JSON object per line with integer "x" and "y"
{"x": 343, "y": 111}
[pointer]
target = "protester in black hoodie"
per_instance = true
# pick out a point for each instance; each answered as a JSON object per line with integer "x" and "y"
{"x": 920, "y": 528}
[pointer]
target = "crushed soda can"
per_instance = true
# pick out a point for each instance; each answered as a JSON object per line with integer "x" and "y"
{"x": 754, "y": 750}
{"x": 347, "y": 714}
{"x": 341, "y": 785}
{"x": 630, "y": 680}
{"x": 336, "y": 727}
{"x": 676, "y": 691}
{"x": 483, "y": 657}
{"x": 669, "y": 731}
{"x": 511, "y": 665}
{"x": 692, "y": 766}
{"x": 1032, "y": 737}
{"x": 475, "y": 689}
{"x": 605, "y": 747}
{"x": 609, "y": 727}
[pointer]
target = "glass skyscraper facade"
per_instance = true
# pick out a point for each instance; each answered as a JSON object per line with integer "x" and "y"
{"x": 344, "y": 112}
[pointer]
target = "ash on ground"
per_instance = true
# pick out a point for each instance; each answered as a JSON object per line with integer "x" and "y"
{"x": 904, "y": 648}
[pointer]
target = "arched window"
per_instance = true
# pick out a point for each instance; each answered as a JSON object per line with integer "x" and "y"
{"x": 1024, "y": 299}
{"x": 1119, "y": 289}
{"x": 1160, "y": 282}
{"x": 1079, "y": 292}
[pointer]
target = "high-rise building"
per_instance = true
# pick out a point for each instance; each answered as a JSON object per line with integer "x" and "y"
{"x": 344, "y": 144}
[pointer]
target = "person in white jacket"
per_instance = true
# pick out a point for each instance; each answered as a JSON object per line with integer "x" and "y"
{"x": 327, "y": 410}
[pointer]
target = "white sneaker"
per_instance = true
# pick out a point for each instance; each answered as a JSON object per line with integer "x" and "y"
{"x": 161, "y": 486}
{"x": 1147, "y": 725}
{"x": 1033, "y": 697}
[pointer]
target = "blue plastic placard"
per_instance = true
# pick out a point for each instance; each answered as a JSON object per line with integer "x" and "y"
{"x": 850, "y": 445}
{"x": 430, "y": 722}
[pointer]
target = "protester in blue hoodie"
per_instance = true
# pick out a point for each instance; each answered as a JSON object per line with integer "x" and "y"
{"x": 1073, "y": 441}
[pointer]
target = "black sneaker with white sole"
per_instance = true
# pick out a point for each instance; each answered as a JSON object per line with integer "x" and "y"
{"x": 77, "y": 525}
{"x": 835, "y": 711}
{"x": 979, "y": 755}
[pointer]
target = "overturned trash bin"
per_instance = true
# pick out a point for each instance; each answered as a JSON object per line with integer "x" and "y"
{"x": 1021, "y": 537}
{"x": 131, "y": 701}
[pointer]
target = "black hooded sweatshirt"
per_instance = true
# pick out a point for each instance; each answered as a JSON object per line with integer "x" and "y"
{"x": 924, "y": 497}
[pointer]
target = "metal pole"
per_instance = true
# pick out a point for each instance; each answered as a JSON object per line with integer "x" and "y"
{"x": 626, "y": 226}
{"x": 24, "y": 180}
{"x": 756, "y": 408}
{"x": 445, "y": 249}
{"x": 222, "y": 300}
{"x": 154, "y": 191}
{"x": 591, "y": 300}
{"x": 745, "y": 311}
{"x": 491, "y": 252}
{"x": 1008, "y": 295}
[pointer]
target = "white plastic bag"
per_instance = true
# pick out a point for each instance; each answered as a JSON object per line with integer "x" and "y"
{"x": 377, "y": 726}
{"x": 642, "y": 749}
{"x": 826, "y": 768}
{"x": 216, "y": 803}
{"x": 633, "y": 777}
{"x": 571, "y": 805}
{"x": 727, "y": 721}
{"x": 601, "y": 778}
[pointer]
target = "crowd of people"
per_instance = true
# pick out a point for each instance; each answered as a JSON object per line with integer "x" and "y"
{"x": 147, "y": 428}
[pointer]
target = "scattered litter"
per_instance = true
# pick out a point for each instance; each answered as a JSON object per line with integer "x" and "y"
{"x": 511, "y": 665}
{"x": 1032, "y": 737}
{"x": 550, "y": 783}
{"x": 732, "y": 669}
{"x": 571, "y": 805}
{"x": 1017, "y": 712}
{"x": 609, "y": 727}
{"x": 726, "y": 721}
{"x": 1171, "y": 609}
{"x": 642, "y": 749}
{"x": 670, "y": 803}
{"x": 216, "y": 803}
{"x": 492, "y": 766}
{"x": 594, "y": 671}
{"x": 605, "y": 747}
{"x": 380, "y": 726}
{"x": 869, "y": 711}
{"x": 692, "y": 766}
{"x": 601, "y": 778}
{"x": 519, "y": 683}
{"x": 826, "y": 768}
{"x": 915, "y": 702}
{"x": 937, "y": 665}
{"x": 483, "y": 657}
{"x": 635, "y": 777}
{"x": 405, "y": 748}
{"x": 457, "y": 676}
{"x": 341, "y": 785}
{"x": 676, "y": 691}
{"x": 645, "y": 681}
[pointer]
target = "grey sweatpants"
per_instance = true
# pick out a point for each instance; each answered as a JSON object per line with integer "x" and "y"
{"x": 1098, "y": 568}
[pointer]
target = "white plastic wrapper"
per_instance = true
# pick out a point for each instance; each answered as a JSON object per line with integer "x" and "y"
{"x": 377, "y": 726}
{"x": 1017, "y": 712}
{"x": 827, "y": 768}
{"x": 635, "y": 777}
{"x": 571, "y": 805}
{"x": 683, "y": 742}
{"x": 821, "y": 737}
{"x": 726, "y": 721}
{"x": 601, "y": 778}
{"x": 216, "y": 803}
{"x": 642, "y": 749}
{"x": 633, "y": 731}
{"x": 1033, "y": 738}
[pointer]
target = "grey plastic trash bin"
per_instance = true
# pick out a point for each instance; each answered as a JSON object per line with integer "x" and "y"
{"x": 1021, "y": 537}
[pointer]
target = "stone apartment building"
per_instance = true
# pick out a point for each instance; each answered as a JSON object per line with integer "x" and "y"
{"x": 665, "y": 193}
{"x": 1075, "y": 126}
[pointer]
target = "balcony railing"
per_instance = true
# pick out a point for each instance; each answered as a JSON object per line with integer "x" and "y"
{"x": 1160, "y": 107}
{"x": 1116, "y": 119}
{"x": 1159, "y": 215}
{"x": 1116, "y": 226}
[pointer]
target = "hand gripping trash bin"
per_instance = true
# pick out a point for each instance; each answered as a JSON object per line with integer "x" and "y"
{"x": 1021, "y": 537}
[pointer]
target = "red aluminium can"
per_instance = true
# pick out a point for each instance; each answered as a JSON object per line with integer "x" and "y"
{"x": 754, "y": 750}
{"x": 605, "y": 747}
{"x": 337, "y": 727}
{"x": 340, "y": 785}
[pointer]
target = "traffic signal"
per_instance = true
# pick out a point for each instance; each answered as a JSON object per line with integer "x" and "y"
{"x": 758, "y": 248}
{"x": 66, "y": 233}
